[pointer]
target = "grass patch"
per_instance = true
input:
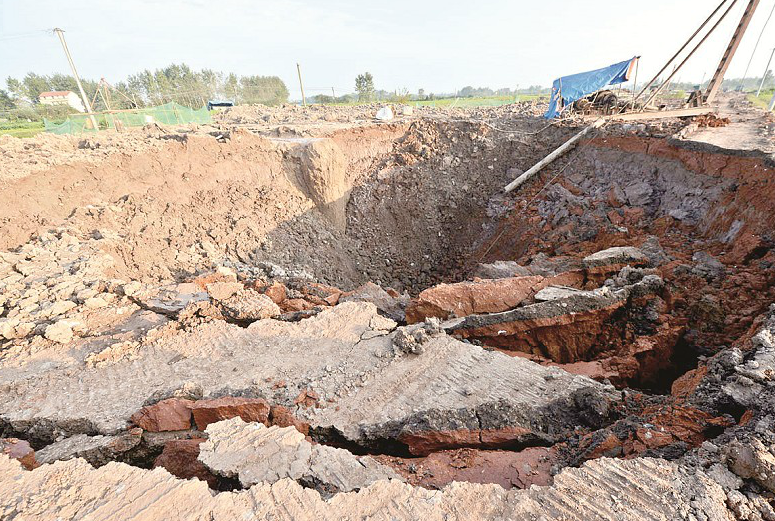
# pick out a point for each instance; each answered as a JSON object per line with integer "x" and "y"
{"x": 491, "y": 101}
{"x": 21, "y": 128}
{"x": 763, "y": 100}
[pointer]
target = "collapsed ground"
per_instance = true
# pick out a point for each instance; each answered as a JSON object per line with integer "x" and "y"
{"x": 349, "y": 295}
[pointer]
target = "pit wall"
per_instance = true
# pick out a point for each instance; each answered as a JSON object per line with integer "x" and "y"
{"x": 750, "y": 178}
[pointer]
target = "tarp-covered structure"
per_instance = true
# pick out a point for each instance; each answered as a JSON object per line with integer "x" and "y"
{"x": 568, "y": 89}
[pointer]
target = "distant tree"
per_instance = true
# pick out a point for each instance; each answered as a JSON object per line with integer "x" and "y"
{"x": 15, "y": 89}
{"x": 6, "y": 102}
{"x": 268, "y": 90}
{"x": 231, "y": 87}
{"x": 364, "y": 85}
{"x": 421, "y": 94}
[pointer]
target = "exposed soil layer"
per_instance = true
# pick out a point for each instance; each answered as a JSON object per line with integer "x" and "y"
{"x": 368, "y": 287}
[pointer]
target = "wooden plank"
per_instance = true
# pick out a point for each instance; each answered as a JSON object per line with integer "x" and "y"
{"x": 677, "y": 113}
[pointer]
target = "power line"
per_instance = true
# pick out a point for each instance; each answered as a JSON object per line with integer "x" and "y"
{"x": 29, "y": 34}
{"x": 755, "y": 47}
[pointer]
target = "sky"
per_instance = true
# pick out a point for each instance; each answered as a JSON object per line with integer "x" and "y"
{"x": 438, "y": 46}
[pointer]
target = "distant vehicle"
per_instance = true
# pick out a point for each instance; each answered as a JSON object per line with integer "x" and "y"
{"x": 219, "y": 104}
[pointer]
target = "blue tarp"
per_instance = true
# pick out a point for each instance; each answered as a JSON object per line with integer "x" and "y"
{"x": 568, "y": 89}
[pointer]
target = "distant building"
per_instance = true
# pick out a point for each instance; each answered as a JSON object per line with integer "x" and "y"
{"x": 62, "y": 97}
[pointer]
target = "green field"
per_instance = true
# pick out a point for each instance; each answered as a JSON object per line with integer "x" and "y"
{"x": 21, "y": 128}
{"x": 763, "y": 100}
{"x": 493, "y": 101}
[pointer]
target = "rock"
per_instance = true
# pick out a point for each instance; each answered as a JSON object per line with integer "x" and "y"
{"x": 277, "y": 292}
{"x": 751, "y": 460}
{"x": 223, "y": 290}
{"x": 97, "y": 450}
{"x": 172, "y": 414}
{"x": 95, "y": 302}
{"x": 468, "y": 298}
{"x": 255, "y": 454}
{"x": 618, "y": 256}
{"x": 19, "y": 450}
{"x": 283, "y": 417}
{"x": 409, "y": 340}
{"x": 388, "y": 305}
{"x": 179, "y": 457}
{"x": 131, "y": 288}
{"x": 60, "y": 332}
{"x": 61, "y": 307}
{"x": 247, "y": 306}
{"x": 501, "y": 270}
{"x": 747, "y": 246}
{"x": 707, "y": 266}
{"x": 249, "y": 409}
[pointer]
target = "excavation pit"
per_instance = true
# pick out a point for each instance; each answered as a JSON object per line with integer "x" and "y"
{"x": 174, "y": 257}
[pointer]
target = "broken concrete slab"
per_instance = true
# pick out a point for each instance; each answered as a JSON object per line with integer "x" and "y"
{"x": 97, "y": 450}
{"x": 501, "y": 270}
{"x": 392, "y": 306}
{"x": 620, "y": 255}
{"x": 368, "y": 393}
{"x": 170, "y": 299}
{"x": 643, "y": 489}
{"x": 255, "y": 453}
{"x": 556, "y": 292}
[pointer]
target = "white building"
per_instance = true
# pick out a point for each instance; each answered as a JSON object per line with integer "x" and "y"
{"x": 62, "y": 97}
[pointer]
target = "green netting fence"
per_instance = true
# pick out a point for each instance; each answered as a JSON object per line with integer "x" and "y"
{"x": 167, "y": 114}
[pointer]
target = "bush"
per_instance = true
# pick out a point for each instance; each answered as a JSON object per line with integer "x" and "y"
{"x": 24, "y": 114}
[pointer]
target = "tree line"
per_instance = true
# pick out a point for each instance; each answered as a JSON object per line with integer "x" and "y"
{"x": 178, "y": 83}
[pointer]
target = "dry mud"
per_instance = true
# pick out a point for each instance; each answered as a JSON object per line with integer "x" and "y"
{"x": 252, "y": 308}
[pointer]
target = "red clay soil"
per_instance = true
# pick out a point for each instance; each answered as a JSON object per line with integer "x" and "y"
{"x": 521, "y": 469}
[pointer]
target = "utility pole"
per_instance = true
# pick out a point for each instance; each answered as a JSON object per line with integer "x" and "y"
{"x": 86, "y": 103}
{"x": 333, "y": 93}
{"x": 772, "y": 103}
{"x": 718, "y": 76}
{"x": 764, "y": 75}
{"x": 301, "y": 85}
